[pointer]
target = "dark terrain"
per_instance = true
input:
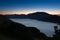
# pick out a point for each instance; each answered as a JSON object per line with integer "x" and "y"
{"x": 17, "y": 31}
{"x": 12, "y": 30}
{"x": 41, "y": 16}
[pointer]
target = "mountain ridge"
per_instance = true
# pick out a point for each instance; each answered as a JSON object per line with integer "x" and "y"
{"x": 41, "y": 16}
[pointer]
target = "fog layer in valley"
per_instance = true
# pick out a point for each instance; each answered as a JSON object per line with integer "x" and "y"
{"x": 45, "y": 27}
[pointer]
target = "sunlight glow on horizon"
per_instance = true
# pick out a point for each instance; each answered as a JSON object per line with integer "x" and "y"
{"x": 53, "y": 12}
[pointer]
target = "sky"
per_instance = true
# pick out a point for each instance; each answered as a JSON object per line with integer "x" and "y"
{"x": 29, "y": 6}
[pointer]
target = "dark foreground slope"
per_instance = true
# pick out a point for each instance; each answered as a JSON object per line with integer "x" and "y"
{"x": 10, "y": 30}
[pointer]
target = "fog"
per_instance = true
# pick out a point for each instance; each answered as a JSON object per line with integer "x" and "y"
{"x": 45, "y": 27}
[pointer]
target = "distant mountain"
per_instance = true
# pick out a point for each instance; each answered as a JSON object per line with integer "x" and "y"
{"x": 42, "y": 16}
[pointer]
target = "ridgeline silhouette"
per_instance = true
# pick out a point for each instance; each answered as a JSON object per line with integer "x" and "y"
{"x": 10, "y": 30}
{"x": 41, "y": 16}
{"x": 36, "y": 34}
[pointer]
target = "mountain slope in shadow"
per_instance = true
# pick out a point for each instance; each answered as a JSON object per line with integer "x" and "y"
{"x": 17, "y": 31}
{"x": 10, "y": 29}
{"x": 41, "y": 16}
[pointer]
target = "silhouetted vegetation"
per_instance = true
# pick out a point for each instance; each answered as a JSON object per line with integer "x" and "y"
{"x": 10, "y": 30}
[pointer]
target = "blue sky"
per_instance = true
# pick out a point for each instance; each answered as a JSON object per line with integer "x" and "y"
{"x": 6, "y": 5}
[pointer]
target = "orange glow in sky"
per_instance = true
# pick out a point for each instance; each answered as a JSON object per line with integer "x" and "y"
{"x": 53, "y": 12}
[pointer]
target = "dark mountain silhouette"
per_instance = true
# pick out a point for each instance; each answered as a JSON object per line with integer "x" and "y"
{"x": 17, "y": 31}
{"x": 12, "y": 30}
{"x": 36, "y": 34}
{"x": 41, "y": 16}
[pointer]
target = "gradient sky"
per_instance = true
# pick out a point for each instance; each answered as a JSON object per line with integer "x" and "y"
{"x": 29, "y": 6}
